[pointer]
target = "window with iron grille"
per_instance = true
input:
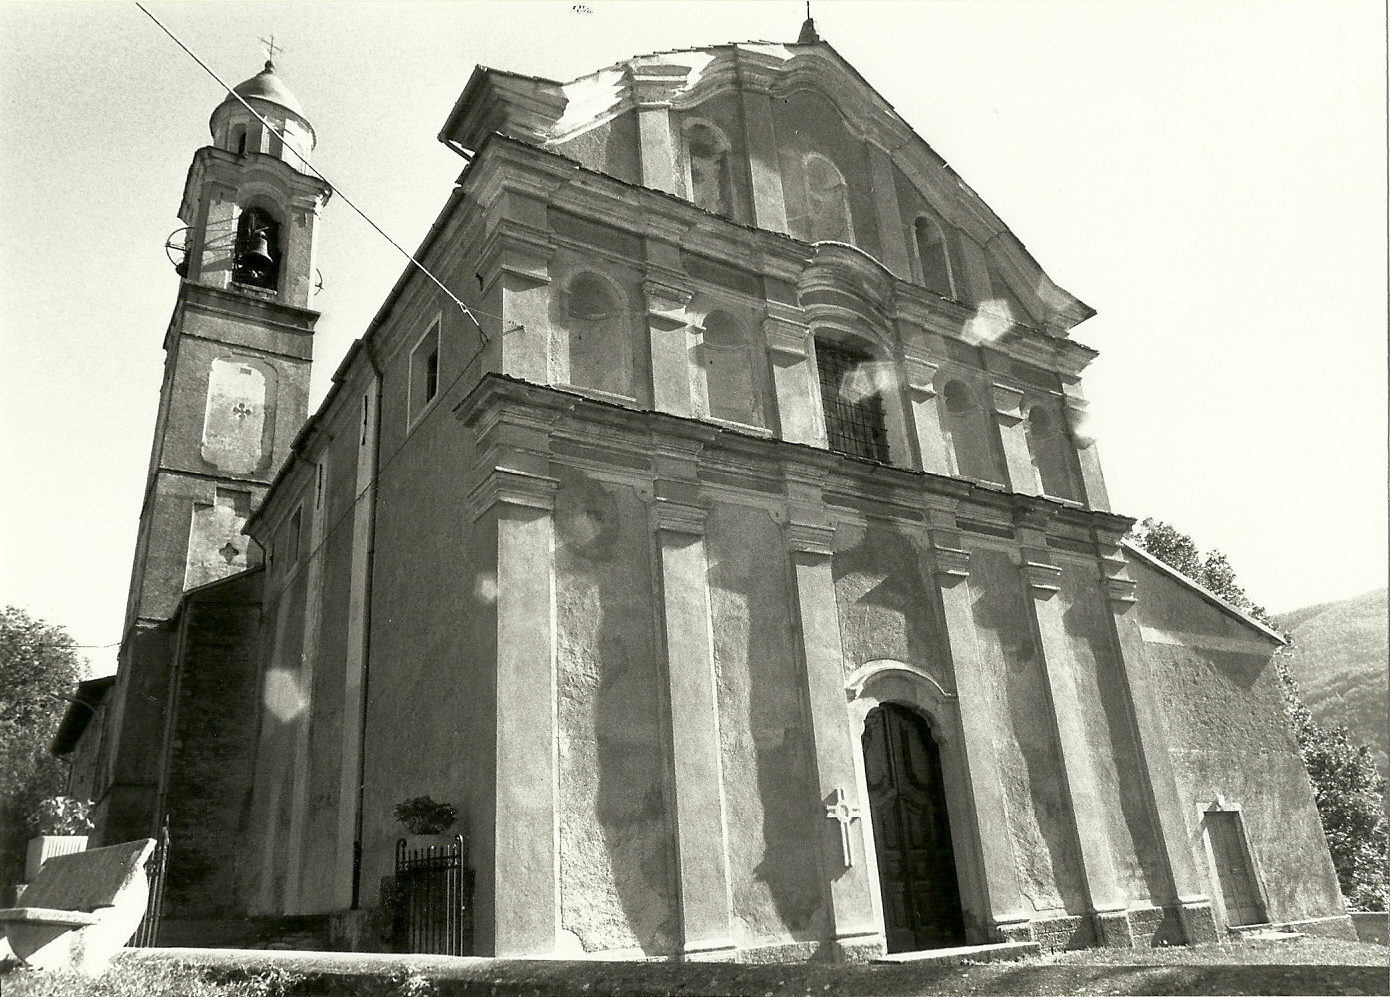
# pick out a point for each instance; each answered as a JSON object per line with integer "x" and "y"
{"x": 854, "y": 421}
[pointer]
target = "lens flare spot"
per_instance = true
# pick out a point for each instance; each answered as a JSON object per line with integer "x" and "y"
{"x": 991, "y": 320}
{"x": 485, "y": 587}
{"x": 871, "y": 378}
{"x": 284, "y": 696}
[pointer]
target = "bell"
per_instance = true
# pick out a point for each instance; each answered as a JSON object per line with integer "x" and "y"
{"x": 257, "y": 258}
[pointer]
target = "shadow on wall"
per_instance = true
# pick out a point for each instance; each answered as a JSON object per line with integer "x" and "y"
{"x": 1048, "y": 852}
{"x": 618, "y": 873}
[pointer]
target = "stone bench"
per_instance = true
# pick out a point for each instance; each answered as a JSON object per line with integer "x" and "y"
{"x": 81, "y": 908}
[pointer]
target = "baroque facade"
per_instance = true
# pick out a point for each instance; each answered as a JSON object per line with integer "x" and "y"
{"x": 737, "y": 563}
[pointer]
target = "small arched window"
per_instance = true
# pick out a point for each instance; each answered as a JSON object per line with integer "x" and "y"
{"x": 726, "y": 357}
{"x": 933, "y": 258}
{"x": 257, "y": 256}
{"x": 827, "y": 201}
{"x": 969, "y": 430}
{"x": 851, "y": 385}
{"x": 710, "y": 179}
{"x": 237, "y": 140}
{"x": 1051, "y": 452}
{"x": 600, "y": 353}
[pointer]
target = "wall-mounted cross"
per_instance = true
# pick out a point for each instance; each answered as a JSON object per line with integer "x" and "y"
{"x": 844, "y": 812}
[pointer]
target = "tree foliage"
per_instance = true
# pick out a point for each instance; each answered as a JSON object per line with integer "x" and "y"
{"x": 39, "y": 669}
{"x": 1347, "y": 788}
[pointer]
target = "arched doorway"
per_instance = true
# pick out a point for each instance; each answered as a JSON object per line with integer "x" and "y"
{"x": 912, "y": 833}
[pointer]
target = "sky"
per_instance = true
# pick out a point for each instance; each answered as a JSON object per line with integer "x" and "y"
{"x": 1209, "y": 176}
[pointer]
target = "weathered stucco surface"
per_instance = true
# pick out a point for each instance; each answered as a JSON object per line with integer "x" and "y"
{"x": 769, "y": 777}
{"x": 886, "y": 609}
{"x": 1118, "y": 768}
{"x": 1229, "y": 739}
{"x": 617, "y": 887}
{"x": 1030, "y": 764}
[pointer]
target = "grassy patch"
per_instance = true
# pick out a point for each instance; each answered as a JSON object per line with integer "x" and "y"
{"x": 148, "y": 979}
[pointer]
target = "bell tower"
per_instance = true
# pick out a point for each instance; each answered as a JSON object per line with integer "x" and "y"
{"x": 238, "y": 351}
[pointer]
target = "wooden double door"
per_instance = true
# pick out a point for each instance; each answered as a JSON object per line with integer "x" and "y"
{"x": 912, "y": 833}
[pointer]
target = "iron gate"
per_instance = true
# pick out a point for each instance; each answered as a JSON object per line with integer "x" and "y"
{"x": 433, "y": 899}
{"x": 147, "y": 935}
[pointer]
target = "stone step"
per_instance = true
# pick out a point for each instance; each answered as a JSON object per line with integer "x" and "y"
{"x": 997, "y": 952}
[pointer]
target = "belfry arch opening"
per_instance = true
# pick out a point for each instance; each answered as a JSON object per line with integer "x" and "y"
{"x": 912, "y": 831}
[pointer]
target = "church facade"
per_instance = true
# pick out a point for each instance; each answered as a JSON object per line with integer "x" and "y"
{"x": 723, "y": 540}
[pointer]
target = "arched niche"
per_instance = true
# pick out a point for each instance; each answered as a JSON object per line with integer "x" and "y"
{"x": 827, "y": 200}
{"x": 1052, "y": 452}
{"x": 969, "y": 430}
{"x": 933, "y": 257}
{"x": 728, "y": 365}
{"x": 594, "y": 348}
{"x": 706, "y": 155}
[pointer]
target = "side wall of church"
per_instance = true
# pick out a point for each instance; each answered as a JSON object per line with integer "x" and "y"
{"x": 1231, "y": 748}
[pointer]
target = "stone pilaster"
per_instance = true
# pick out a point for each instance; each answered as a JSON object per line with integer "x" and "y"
{"x": 1042, "y": 577}
{"x": 1009, "y": 918}
{"x": 858, "y": 932}
{"x": 926, "y": 413}
{"x": 669, "y": 331}
{"x": 355, "y": 664}
{"x": 651, "y": 86}
{"x": 702, "y": 840}
{"x": 1194, "y": 906}
{"x": 1013, "y": 432}
{"x": 791, "y": 352}
{"x": 769, "y": 201}
{"x": 892, "y": 232}
{"x": 522, "y": 878}
{"x": 1087, "y": 454}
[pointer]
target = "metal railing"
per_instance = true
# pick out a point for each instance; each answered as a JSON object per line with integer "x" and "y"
{"x": 433, "y": 899}
{"x": 147, "y": 935}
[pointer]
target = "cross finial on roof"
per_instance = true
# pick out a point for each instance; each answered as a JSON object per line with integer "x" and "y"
{"x": 271, "y": 48}
{"x": 808, "y": 34}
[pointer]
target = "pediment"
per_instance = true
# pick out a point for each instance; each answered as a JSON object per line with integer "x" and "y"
{"x": 559, "y": 117}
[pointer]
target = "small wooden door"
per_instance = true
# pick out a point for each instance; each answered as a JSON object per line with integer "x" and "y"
{"x": 1239, "y": 894}
{"x": 912, "y": 835}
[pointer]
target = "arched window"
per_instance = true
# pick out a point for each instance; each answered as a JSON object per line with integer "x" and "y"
{"x": 600, "y": 351}
{"x": 237, "y": 140}
{"x": 257, "y": 257}
{"x": 827, "y": 201}
{"x": 707, "y": 159}
{"x": 851, "y": 385}
{"x": 969, "y": 429}
{"x": 1051, "y": 453}
{"x": 931, "y": 254}
{"x": 726, "y": 357}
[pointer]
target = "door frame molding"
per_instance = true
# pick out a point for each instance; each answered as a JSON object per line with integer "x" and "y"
{"x": 883, "y": 681}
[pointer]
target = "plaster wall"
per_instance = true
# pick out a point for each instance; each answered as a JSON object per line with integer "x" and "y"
{"x": 886, "y": 610}
{"x": 208, "y": 787}
{"x": 610, "y": 148}
{"x": 429, "y": 726}
{"x": 767, "y": 756}
{"x": 617, "y": 868}
{"x": 1122, "y": 782}
{"x": 1231, "y": 747}
{"x": 1040, "y": 824}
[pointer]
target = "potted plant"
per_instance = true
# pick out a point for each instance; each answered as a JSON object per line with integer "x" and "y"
{"x": 59, "y": 825}
{"x": 422, "y": 815}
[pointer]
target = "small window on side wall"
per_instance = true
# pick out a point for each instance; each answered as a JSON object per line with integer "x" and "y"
{"x": 424, "y": 371}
